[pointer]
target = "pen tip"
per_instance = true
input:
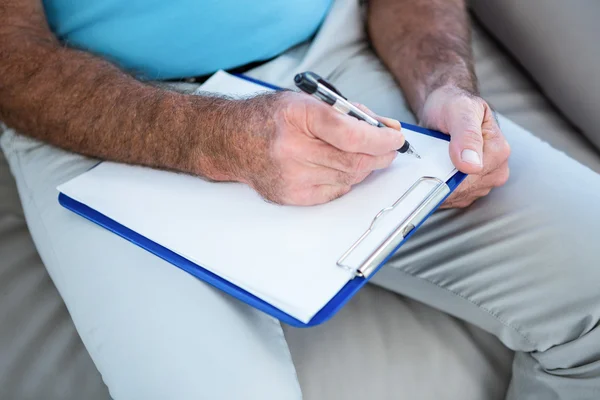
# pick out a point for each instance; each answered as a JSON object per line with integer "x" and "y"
{"x": 414, "y": 153}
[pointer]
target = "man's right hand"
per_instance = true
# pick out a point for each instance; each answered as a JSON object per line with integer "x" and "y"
{"x": 297, "y": 150}
{"x": 289, "y": 147}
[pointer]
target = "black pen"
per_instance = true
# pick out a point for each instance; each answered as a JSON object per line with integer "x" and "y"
{"x": 313, "y": 84}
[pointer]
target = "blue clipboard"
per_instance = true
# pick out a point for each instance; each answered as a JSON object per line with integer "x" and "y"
{"x": 335, "y": 304}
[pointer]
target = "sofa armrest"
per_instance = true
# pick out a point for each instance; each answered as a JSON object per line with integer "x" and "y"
{"x": 558, "y": 43}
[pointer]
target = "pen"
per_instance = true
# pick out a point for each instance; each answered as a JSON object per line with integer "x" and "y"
{"x": 313, "y": 84}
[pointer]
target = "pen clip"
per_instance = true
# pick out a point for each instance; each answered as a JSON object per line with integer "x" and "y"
{"x": 330, "y": 87}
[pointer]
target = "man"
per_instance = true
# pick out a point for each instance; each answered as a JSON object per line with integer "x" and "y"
{"x": 521, "y": 262}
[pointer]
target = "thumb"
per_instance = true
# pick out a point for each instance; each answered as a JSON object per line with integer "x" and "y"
{"x": 466, "y": 143}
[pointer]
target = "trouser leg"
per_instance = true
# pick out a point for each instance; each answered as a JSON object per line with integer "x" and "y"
{"x": 153, "y": 331}
{"x": 522, "y": 263}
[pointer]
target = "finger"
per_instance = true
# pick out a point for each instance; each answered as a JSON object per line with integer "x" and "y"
{"x": 476, "y": 186}
{"x": 328, "y": 156}
{"x": 361, "y": 177}
{"x": 490, "y": 128}
{"x": 498, "y": 177}
{"x": 302, "y": 176}
{"x": 389, "y": 122}
{"x": 489, "y": 178}
{"x": 318, "y": 194}
{"x": 482, "y": 193}
{"x": 466, "y": 140}
{"x": 329, "y": 176}
{"x": 351, "y": 135}
{"x": 327, "y": 193}
{"x": 496, "y": 148}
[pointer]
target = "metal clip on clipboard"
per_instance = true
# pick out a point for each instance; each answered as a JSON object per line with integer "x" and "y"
{"x": 433, "y": 198}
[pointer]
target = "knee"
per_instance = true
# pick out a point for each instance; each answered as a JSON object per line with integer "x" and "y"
{"x": 559, "y": 300}
{"x": 200, "y": 381}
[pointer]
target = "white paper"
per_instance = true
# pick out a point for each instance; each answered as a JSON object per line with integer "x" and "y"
{"x": 222, "y": 82}
{"x": 285, "y": 255}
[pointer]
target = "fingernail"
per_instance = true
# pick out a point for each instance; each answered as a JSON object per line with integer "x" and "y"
{"x": 470, "y": 156}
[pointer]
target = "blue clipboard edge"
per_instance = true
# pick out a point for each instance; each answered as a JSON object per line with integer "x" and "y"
{"x": 327, "y": 312}
{"x": 258, "y": 82}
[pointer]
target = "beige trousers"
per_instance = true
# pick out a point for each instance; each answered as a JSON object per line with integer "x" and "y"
{"x": 522, "y": 263}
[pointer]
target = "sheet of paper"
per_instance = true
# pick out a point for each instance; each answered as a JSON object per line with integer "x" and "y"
{"x": 282, "y": 254}
{"x": 222, "y": 82}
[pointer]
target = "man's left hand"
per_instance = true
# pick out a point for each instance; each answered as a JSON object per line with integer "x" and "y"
{"x": 477, "y": 146}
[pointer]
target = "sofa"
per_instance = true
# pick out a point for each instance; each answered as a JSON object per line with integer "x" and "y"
{"x": 538, "y": 65}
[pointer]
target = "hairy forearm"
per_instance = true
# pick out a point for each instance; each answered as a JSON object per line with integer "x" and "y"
{"x": 425, "y": 44}
{"x": 78, "y": 102}
{"x": 82, "y": 103}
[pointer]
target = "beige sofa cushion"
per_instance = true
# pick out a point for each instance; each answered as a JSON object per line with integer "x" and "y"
{"x": 557, "y": 41}
{"x": 41, "y": 354}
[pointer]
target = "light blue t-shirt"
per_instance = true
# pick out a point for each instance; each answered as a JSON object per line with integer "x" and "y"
{"x": 164, "y": 39}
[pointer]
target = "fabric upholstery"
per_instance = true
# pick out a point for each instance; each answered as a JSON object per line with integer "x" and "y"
{"x": 557, "y": 42}
{"x": 510, "y": 91}
{"x": 41, "y": 355}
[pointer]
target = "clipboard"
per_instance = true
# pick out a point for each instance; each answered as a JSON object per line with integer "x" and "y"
{"x": 438, "y": 192}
